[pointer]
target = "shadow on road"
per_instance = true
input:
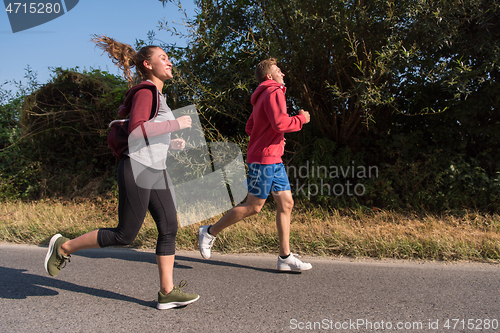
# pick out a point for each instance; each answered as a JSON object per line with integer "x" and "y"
{"x": 27, "y": 284}
{"x": 226, "y": 264}
{"x": 19, "y": 284}
{"x": 129, "y": 254}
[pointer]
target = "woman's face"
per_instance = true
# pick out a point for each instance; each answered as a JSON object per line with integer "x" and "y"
{"x": 159, "y": 65}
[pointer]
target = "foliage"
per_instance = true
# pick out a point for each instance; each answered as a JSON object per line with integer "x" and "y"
{"x": 17, "y": 172}
{"x": 350, "y": 63}
{"x": 62, "y": 148}
{"x": 408, "y": 86}
{"x": 11, "y": 105}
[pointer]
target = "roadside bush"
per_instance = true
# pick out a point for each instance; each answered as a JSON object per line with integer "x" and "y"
{"x": 63, "y": 151}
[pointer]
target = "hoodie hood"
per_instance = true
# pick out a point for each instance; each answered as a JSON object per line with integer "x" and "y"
{"x": 270, "y": 86}
{"x": 124, "y": 109}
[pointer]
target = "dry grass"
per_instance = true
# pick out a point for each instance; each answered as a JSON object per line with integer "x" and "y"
{"x": 382, "y": 234}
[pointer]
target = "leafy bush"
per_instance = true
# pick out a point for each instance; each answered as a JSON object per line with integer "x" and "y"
{"x": 63, "y": 151}
{"x": 396, "y": 175}
{"x": 405, "y": 96}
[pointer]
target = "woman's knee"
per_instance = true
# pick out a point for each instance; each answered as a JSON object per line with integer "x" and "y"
{"x": 165, "y": 244}
{"x": 123, "y": 240}
{"x": 114, "y": 237}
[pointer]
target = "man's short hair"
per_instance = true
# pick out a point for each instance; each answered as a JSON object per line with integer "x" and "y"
{"x": 264, "y": 68}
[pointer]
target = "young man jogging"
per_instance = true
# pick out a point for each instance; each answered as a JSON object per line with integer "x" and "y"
{"x": 266, "y": 126}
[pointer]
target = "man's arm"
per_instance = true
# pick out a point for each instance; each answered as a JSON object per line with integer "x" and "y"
{"x": 306, "y": 114}
{"x": 249, "y": 125}
{"x": 278, "y": 115}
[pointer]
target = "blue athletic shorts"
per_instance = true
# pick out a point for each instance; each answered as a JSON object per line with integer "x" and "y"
{"x": 264, "y": 178}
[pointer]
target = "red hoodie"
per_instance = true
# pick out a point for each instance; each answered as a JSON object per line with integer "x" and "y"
{"x": 268, "y": 124}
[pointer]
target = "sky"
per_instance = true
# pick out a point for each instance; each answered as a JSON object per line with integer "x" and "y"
{"x": 66, "y": 41}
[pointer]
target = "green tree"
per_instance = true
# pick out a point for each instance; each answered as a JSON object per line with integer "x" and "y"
{"x": 348, "y": 62}
{"x": 395, "y": 83}
{"x": 61, "y": 128}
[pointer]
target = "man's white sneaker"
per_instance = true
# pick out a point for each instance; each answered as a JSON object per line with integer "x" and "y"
{"x": 292, "y": 263}
{"x": 206, "y": 241}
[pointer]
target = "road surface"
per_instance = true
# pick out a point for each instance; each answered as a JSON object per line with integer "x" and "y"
{"x": 114, "y": 290}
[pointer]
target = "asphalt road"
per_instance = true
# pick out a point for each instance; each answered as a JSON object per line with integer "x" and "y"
{"x": 114, "y": 290}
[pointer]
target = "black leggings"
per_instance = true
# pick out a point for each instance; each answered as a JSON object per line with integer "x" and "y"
{"x": 134, "y": 202}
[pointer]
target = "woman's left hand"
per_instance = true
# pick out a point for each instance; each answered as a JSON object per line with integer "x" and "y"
{"x": 178, "y": 144}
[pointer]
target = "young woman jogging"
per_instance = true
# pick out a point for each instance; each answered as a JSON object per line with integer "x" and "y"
{"x": 143, "y": 180}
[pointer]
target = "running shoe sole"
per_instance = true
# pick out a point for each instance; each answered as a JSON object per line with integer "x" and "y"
{"x": 51, "y": 250}
{"x": 170, "y": 305}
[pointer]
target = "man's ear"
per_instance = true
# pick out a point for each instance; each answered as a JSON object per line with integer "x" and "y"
{"x": 269, "y": 76}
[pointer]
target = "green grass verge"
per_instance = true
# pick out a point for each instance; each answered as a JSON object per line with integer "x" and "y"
{"x": 314, "y": 231}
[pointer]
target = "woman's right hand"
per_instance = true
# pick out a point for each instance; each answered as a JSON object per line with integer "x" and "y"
{"x": 184, "y": 122}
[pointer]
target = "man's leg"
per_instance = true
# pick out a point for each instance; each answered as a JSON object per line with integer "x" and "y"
{"x": 207, "y": 233}
{"x": 250, "y": 207}
{"x": 284, "y": 201}
{"x": 287, "y": 261}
